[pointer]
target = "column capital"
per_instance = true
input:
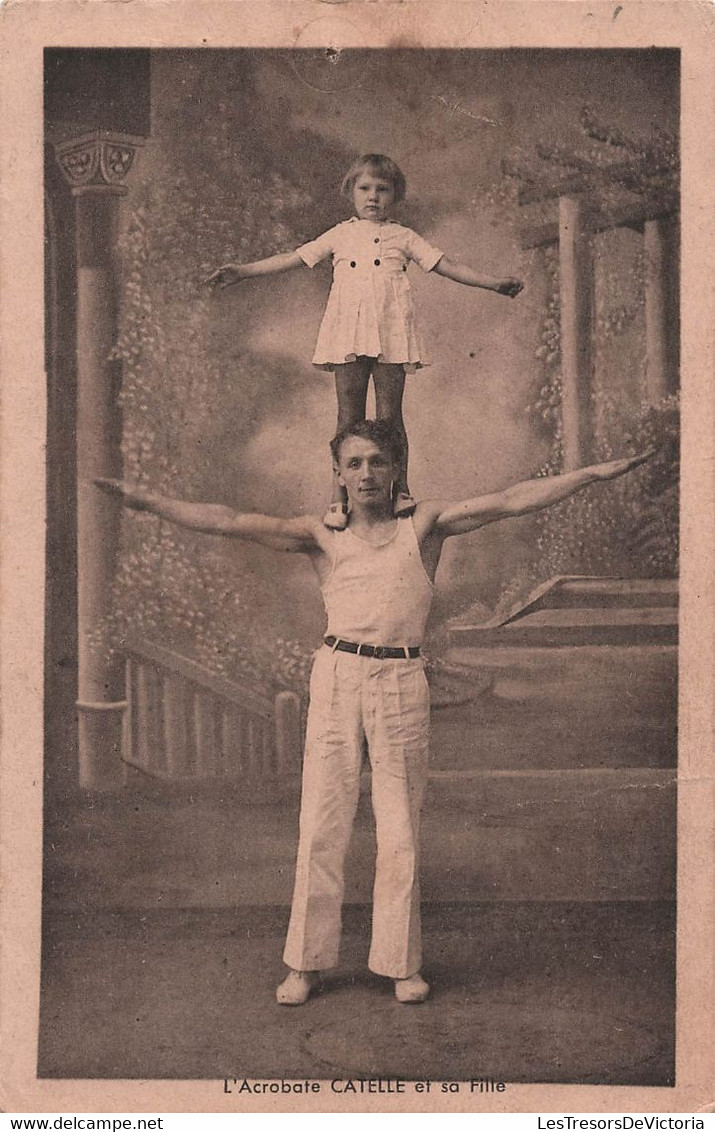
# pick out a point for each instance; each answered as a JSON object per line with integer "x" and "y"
{"x": 98, "y": 162}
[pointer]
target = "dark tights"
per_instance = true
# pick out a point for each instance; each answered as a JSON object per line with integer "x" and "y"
{"x": 351, "y": 383}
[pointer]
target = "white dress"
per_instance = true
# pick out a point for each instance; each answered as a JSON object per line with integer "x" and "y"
{"x": 369, "y": 310}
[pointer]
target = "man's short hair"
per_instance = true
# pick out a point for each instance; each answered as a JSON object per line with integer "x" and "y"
{"x": 382, "y": 434}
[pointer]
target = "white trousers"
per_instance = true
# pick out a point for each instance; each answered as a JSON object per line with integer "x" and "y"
{"x": 356, "y": 699}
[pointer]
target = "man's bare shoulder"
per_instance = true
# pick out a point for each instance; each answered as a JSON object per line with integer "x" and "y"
{"x": 299, "y": 534}
{"x": 425, "y": 516}
{"x": 429, "y": 507}
{"x": 310, "y": 524}
{"x": 314, "y": 531}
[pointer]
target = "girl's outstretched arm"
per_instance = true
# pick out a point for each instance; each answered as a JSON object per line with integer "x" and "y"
{"x": 461, "y": 273}
{"x": 292, "y": 535}
{"x": 528, "y": 496}
{"x": 232, "y": 273}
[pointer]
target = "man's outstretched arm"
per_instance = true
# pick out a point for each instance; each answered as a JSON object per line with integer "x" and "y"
{"x": 528, "y": 496}
{"x": 292, "y": 535}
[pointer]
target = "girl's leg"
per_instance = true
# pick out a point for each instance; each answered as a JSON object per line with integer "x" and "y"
{"x": 351, "y": 382}
{"x": 389, "y": 386}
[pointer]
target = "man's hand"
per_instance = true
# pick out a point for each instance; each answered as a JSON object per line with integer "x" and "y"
{"x": 225, "y": 276}
{"x": 614, "y": 468}
{"x": 531, "y": 495}
{"x": 509, "y": 287}
{"x": 304, "y": 534}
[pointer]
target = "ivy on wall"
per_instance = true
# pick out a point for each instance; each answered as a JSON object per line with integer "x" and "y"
{"x": 227, "y": 202}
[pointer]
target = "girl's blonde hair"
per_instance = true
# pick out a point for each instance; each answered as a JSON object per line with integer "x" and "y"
{"x": 380, "y": 166}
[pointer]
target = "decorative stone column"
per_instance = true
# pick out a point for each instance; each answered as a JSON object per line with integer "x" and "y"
{"x": 576, "y": 286}
{"x": 659, "y": 351}
{"x": 96, "y": 166}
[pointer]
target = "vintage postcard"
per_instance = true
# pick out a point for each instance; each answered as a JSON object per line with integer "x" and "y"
{"x": 374, "y": 777}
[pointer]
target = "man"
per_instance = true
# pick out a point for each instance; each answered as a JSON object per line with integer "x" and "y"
{"x": 367, "y": 685}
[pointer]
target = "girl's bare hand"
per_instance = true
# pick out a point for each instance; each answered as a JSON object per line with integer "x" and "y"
{"x": 509, "y": 287}
{"x": 132, "y": 496}
{"x": 225, "y": 276}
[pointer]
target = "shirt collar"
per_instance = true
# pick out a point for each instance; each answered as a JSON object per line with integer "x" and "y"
{"x": 357, "y": 220}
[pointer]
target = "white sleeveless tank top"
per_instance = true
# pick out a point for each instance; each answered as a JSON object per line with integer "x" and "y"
{"x": 380, "y": 594}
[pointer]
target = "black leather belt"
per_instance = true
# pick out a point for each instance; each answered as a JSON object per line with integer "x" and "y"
{"x": 379, "y": 652}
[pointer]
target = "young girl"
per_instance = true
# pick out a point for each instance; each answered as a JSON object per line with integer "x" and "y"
{"x": 368, "y": 329}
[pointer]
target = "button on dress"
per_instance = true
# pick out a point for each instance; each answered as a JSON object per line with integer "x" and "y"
{"x": 369, "y": 310}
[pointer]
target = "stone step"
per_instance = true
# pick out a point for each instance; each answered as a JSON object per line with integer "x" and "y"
{"x": 590, "y": 741}
{"x": 585, "y": 625}
{"x": 579, "y": 610}
{"x": 614, "y": 592}
{"x": 556, "y": 708}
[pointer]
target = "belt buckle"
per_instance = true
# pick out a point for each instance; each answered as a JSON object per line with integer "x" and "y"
{"x": 380, "y": 652}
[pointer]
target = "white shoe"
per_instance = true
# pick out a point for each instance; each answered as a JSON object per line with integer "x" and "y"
{"x": 296, "y": 988}
{"x": 413, "y": 989}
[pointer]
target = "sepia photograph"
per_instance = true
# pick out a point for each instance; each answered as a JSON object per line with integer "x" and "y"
{"x": 360, "y": 694}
